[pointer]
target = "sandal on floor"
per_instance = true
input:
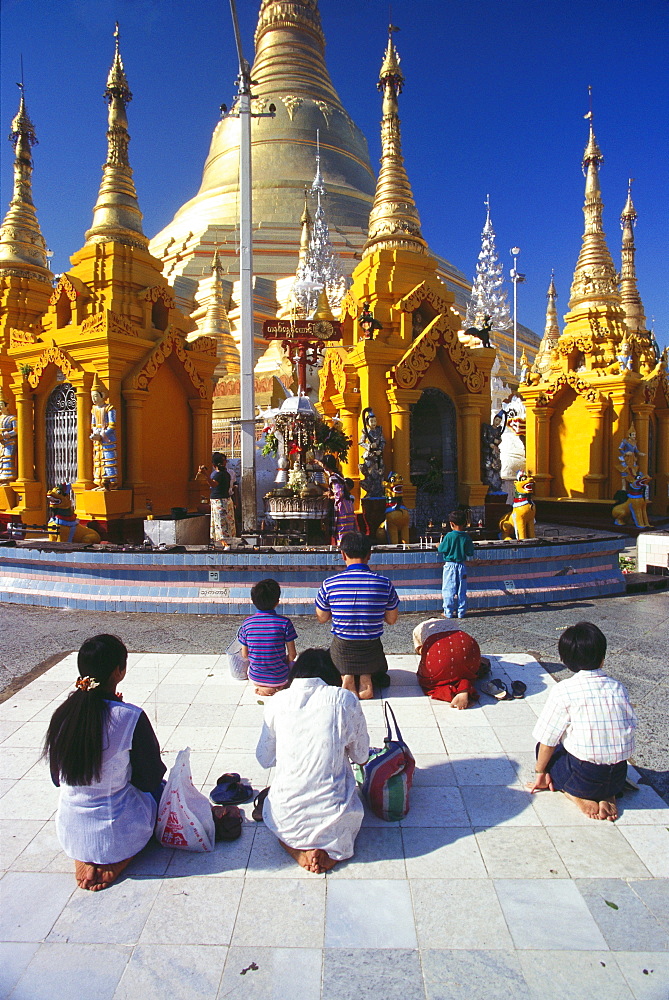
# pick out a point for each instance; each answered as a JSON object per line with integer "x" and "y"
{"x": 231, "y": 793}
{"x": 230, "y": 778}
{"x": 518, "y": 689}
{"x": 484, "y": 667}
{"x": 258, "y": 804}
{"x": 227, "y": 822}
{"x": 495, "y": 688}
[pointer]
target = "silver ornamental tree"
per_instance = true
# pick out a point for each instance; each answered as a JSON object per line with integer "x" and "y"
{"x": 488, "y": 296}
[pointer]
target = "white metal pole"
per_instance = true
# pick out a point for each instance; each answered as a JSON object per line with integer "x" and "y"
{"x": 514, "y": 277}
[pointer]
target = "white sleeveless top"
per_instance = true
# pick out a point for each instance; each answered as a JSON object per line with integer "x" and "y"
{"x": 109, "y": 820}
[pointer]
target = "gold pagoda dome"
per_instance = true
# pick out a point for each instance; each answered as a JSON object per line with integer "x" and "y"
{"x": 289, "y": 72}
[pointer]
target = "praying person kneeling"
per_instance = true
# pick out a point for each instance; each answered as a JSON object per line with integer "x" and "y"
{"x": 586, "y": 729}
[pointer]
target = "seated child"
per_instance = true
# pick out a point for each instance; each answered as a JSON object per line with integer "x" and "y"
{"x": 586, "y": 728}
{"x": 265, "y": 637}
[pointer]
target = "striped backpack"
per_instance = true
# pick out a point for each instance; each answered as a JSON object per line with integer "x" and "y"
{"x": 387, "y": 776}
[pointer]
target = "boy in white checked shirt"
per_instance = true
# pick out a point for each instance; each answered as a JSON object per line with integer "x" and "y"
{"x": 586, "y": 729}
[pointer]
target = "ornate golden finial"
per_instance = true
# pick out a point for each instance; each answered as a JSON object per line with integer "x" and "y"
{"x": 22, "y": 246}
{"x": 595, "y": 278}
{"x": 542, "y": 362}
{"x": 305, "y": 235}
{"x": 323, "y": 310}
{"x": 116, "y": 216}
{"x": 394, "y": 221}
{"x": 217, "y": 325}
{"x": 635, "y": 318}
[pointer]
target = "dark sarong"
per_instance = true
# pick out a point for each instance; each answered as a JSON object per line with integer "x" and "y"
{"x": 584, "y": 779}
{"x": 358, "y": 656}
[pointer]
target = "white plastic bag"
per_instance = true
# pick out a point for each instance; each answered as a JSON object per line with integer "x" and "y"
{"x": 184, "y": 817}
{"x": 239, "y": 668}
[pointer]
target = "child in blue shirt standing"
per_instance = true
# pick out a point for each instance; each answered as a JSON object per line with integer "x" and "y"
{"x": 456, "y": 546}
{"x": 266, "y": 638}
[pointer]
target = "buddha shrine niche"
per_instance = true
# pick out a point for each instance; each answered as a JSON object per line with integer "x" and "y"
{"x": 600, "y": 383}
{"x": 429, "y": 391}
{"x": 110, "y": 394}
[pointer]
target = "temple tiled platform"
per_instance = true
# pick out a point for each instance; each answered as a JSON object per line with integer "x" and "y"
{"x": 502, "y": 574}
{"x": 483, "y": 891}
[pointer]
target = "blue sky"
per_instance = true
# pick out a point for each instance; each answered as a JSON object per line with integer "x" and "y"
{"x": 494, "y": 101}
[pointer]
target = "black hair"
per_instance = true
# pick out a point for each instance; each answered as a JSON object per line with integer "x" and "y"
{"x": 265, "y": 594}
{"x": 458, "y": 517}
{"x": 582, "y": 647}
{"x": 74, "y": 739}
{"x": 354, "y": 545}
{"x": 315, "y": 663}
{"x": 330, "y": 463}
{"x": 216, "y": 457}
{"x": 349, "y": 485}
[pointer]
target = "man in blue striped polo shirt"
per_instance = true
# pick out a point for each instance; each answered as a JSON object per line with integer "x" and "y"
{"x": 358, "y": 602}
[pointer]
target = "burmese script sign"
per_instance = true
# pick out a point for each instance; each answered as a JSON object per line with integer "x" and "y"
{"x": 301, "y": 329}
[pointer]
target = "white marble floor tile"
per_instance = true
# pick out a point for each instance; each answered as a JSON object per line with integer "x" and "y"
{"x": 642, "y": 807}
{"x": 21, "y": 709}
{"x": 29, "y": 736}
{"x": 422, "y": 739}
{"x": 242, "y": 763}
{"x": 651, "y": 844}
{"x": 219, "y": 694}
{"x": 30, "y": 798}
{"x": 621, "y": 915}
{"x": 411, "y": 714}
{"x": 241, "y": 739}
{"x": 300, "y": 903}
{"x": 378, "y": 854}
{"x": 450, "y": 852}
{"x": 227, "y": 860}
{"x": 484, "y": 769}
{"x": 113, "y": 916}
{"x": 164, "y": 713}
{"x": 5, "y": 785}
{"x": 272, "y": 973}
{"x": 519, "y": 852}
{"x": 434, "y": 806}
{"x": 481, "y": 740}
{"x": 193, "y": 910}
{"x": 473, "y": 975}
{"x": 449, "y": 718}
{"x": 514, "y": 712}
{"x": 555, "y": 809}
{"x": 452, "y": 913}
{"x": 7, "y": 728}
{"x": 246, "y": 715}
{"x": 15, "y": 835}
{"x": 268, "y": 859}
{"x": 597, "y": 850}
{"x": 14, "y": 960}
{"x": 198, "y": 738}
{"x": 369, "y": 913}
{"x": 176, "y": 692}
{"x": 646, "y": 973}
{"x": 177, "y": 972}
{"x": 42, "y": 850}
{"x": 572, "y": 975}
{"x": 371, "y": 973}
{"x": 433, "y": 769}
{"x": 87, "y": 972}
{"x": 548, "y": 914}
{"x": 31, "y": 902}
{"x": 514, "y": 738}
{"x": 495, "y": 805}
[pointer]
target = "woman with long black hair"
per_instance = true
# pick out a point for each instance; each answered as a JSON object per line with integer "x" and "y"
{"x": 105, "y": 757}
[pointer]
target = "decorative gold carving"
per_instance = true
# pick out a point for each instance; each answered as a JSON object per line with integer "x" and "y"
{"x": 63, "y": 285}
{"x": 291, "y": 103}
{"x": 287, "y": 14}
{"x": 415, "y": 362}
{"x": 172, "y": 342}
{"x": 349, "y": 306}
{"x": 52, "y": 355}
{"x": 334, "y": 367}
{"x": 203, "y": 345}
{"x": 326, "y": 110}
{"x": 424, "y": 292}
{"x": 579, "y": 385}
{"x": 19, "y": 337}
{"x": 155, "y": 292}
{"x": 108, "y": 322}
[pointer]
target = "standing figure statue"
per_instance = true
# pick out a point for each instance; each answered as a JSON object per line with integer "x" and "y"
{"x": 8, "y": 435}
{"x": 372, "y": 442}
{"x": 628, "y": 457}
{"x": 103, "y": 436}
{"x": 491, "y": 459}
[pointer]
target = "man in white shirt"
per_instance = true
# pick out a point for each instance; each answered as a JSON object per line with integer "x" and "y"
{"x": 586, "y": 729}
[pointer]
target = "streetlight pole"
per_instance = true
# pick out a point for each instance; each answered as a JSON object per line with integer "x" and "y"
{"x": 515, "y": 277}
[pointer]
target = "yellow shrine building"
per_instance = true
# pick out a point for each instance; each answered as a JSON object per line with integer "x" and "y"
{"x": 429, "y": 390}
{"x": 598, "y": 398}
{"x": 108, "y": 391}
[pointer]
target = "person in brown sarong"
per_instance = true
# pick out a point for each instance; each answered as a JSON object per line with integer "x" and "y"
{"x": 359, "y": 603}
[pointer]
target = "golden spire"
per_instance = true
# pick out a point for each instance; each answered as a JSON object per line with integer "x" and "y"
{"x": 305, "y": 236}
{"x": 635, "y": 318}
{"x": 216, "y": 323}
{"x": 394, "y": 221}
{"x": 595, "y": 279}
{"x": 116, "y": 216}
{"x": 22, "y": 246}
{"x": 542, "y": 362}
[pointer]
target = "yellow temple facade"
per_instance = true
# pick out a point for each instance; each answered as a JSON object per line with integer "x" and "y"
{"x": 598, "y": 399}
{"x": 417, "y": 354}
{"x": 108, "y": 391}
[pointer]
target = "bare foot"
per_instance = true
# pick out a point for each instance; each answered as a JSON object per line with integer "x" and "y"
{"x": 96, "y": 877}
{"x": 587, "y": 806}
{"x": 348, "y": 683}
{"x": 314, "y": 860}
{"x": 608, "y": 810}
{"x": 366, "y": 690}
{"x": 460, "y": 701}
{"x": 266, "y": 692}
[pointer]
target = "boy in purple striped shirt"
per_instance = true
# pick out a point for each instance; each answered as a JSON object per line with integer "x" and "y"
{"x": 266, "y": 638}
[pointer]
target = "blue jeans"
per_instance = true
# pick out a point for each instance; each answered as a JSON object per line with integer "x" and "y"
{"x": 454, "y": 588}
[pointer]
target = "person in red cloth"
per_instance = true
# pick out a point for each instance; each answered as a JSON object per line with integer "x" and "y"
{"x": 449, "y": 664}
